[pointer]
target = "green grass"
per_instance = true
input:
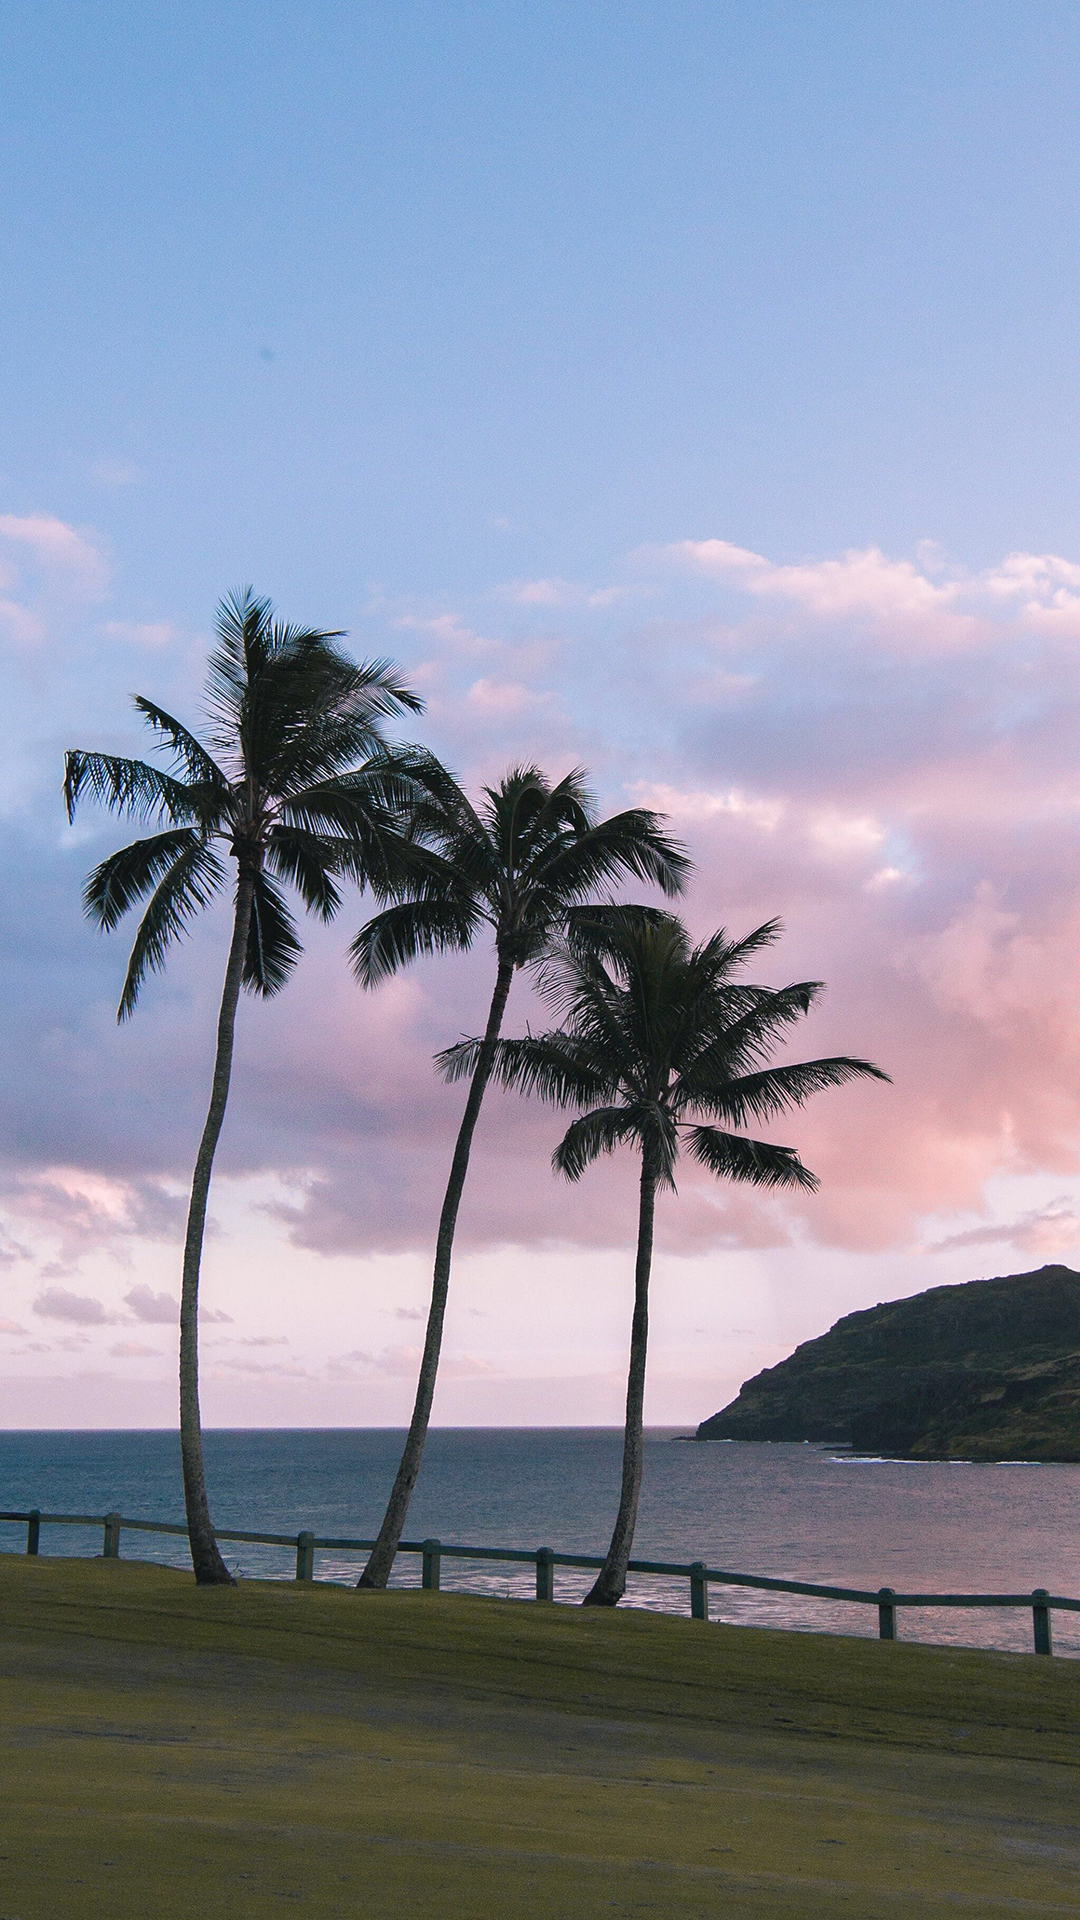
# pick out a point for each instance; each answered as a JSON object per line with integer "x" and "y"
{"x": 174, "y": 1752}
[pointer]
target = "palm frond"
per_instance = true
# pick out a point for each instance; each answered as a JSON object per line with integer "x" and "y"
{"x": 594, "y": 1008}
{"x": 189, "y": 883}
{"x": 552, "y": 1066}
{"x": 773, "y": 1090}
{"x": 721, "y": 955}
{"x": 338, "y": 805}
{"x": 402, "y": 933}
{"x": 125, "y": 786}
{"x": 128, "y": 875}
{"x": 272, "y": 947}
{"x": 309, "y": 860}
{"x": 731, "y": 1027}
{"x": 200, "y": 766}
{"x": 586, "y": 1138}
{"x": 242, "y": 625}
{"x": 602, "y": 928}
{"x": 386, "y": 781}
{"x": 759, "y": 1163}
{"x": 628, "y": 845}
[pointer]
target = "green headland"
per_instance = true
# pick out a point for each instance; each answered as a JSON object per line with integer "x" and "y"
{"x": 989, "y": 1370}
{"x": 237, "y": 1753}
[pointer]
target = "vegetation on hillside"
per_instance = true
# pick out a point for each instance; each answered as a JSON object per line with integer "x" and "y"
{"x": 989, "y": 1370}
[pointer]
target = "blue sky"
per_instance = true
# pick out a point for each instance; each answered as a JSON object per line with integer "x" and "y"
{"x": 603, "y": 274}
{"x": 686, "y": 389}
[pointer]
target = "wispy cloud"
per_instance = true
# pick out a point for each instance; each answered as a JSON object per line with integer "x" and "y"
{"x": 1044, "y": 1232}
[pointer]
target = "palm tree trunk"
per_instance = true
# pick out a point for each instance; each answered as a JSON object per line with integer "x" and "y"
{"x": 610, "y": 1583}
{"x": 210, "y": 1568}
{"x": 377, "y": 1571}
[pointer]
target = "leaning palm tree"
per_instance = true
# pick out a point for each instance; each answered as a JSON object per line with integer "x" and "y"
{"x": 658, "y": 1040}
{"x": 520, "y": 865}
{"x": 297, "y": 785}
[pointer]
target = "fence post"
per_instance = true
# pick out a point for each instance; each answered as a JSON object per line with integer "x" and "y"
{"x": 886, "y": 1614}
{"x": 431, "y": 1563}
{"x": 1040, "y": 1620}
{"x": 545, "y": 1573}
{"x": 33, "y": 1530}
{"x": 305, "y": 1556}
{"x": 111, "y": 1545}
{"x": 699, "y": 1592}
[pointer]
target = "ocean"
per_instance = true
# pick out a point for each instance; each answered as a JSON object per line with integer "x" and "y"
{"x": 802, "y": 1512}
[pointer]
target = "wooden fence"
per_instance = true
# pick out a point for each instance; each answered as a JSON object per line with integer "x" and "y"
{"x": 546, "y": 1559}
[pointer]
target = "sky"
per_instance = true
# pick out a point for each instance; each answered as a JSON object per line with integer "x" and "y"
{"x": 688, "y": 392}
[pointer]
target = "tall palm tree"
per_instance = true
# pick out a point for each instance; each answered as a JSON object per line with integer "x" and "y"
{"x": 658, "y": 1040}
{"x": 297, "y": 785}
{"x": 521, "y": 864}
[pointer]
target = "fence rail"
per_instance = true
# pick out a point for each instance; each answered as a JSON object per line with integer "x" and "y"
{"x": 546, "y": 1559}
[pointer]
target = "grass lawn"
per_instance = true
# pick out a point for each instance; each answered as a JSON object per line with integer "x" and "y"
{"x": 170, "y": 1752}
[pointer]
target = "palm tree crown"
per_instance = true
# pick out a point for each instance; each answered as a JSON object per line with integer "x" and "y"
{"x": 661, "y": 1047}
{"x": 520, "y": 863}
{"x": 296, "y": 783}
{"x": 659, "y": 1041}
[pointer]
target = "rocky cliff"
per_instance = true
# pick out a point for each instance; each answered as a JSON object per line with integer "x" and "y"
{"x": 985, "y": 1371}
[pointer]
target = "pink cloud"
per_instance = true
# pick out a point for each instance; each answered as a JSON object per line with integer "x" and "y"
{"x": 154, "y": 1309}
{"x": 80, "y": 1309}
{"x": 893, "y": 592}
{"x": 83, "y": 1208}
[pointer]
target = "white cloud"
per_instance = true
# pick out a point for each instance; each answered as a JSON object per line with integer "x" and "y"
{"x": 833, "y": 832}
{"x": 861, "y": 582}
{"x": 58, "y": 550}
{"x": 917, "y": 604}
{"x": 759, "y": 811}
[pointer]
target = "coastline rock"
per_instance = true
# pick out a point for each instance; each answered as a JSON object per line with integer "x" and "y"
{"x": 988, "y": 1370}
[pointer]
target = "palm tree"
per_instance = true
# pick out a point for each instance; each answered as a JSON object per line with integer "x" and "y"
{"x": 521, "y": 865}
{"x": 658, "y": 1040}
{"x": 297, "y": 785}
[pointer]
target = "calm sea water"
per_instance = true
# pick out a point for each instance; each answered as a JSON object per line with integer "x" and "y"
{"x": 803, "y": 1512}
